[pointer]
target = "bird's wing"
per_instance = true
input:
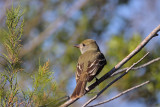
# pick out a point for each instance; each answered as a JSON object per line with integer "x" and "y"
{"x": 95, "y": 63}
{"x": 79, "y": 71}
{"x": 95, "y": 66}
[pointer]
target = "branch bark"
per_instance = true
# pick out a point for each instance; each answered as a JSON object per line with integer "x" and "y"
{"x": 120, "y": 64}
{"x": 96, "y": 96}
{"x": 135, "y": 68}
{"x": 127, "y": 58}
{"x": 122, "y": 93}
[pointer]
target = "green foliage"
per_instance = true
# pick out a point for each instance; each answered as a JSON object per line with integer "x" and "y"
{"x": 43, "y": 84}
{"x": 11, "y": 94}
{"x": 8, "y": 93}
{"x": 43, "y": 77}
{"x": 96, "y": 20}
{"x": 43, "y": 88}
{"x": 13, "y": 35}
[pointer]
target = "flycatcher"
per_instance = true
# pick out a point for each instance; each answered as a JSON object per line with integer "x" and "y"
{"x": 90, "y": 63}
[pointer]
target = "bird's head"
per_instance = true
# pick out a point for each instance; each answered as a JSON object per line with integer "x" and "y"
{"x": 87, "y": 45}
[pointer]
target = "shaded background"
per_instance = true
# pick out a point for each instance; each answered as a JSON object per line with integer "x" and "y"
{"x": 52, "y": 27}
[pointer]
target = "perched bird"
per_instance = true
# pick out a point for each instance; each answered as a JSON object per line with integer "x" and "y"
{"x": 90, "y": 63}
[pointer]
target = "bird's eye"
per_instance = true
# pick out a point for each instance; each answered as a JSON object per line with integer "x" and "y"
{"x": 83, "y": 44}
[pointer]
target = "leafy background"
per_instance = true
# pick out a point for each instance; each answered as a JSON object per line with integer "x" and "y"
{"x": 118, "y": 26}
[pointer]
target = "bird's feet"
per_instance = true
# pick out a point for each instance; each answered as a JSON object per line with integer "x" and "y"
{"x": 87, "y": 89}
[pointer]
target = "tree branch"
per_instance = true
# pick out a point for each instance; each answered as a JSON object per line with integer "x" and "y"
{"x": 96, "y": 96}
{"x": 127, "y": 58}
{"x": 120, "y": 64}
{"x": 120, "y": 94}
{"x": 139, "y": 67}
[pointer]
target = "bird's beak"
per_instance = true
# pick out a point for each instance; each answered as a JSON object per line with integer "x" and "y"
{"x": 77, "y": 46}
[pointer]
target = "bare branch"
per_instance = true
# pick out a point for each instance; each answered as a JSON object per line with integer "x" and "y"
{"x": 69, "y": 102}
{"x": 60, "y": 100}
{"x": 96, "y": 96}
{"x": 139, "y": 67}
{"x": 122, "y": 93}
{"x": 126, "y": 59}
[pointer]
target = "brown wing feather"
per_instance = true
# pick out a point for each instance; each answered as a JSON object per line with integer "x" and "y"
{"x": 96, "y": 66}
{"x": 87, "y": 68}
{"x": 79, "y": 71}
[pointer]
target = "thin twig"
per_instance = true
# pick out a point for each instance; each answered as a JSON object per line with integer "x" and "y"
{"x": 122, "y": 93}
{"x": 126, "y": 59}
{"x": 60, "y": 100}
{"x": 93, "y": 98}
{"x": 139, "y": 67}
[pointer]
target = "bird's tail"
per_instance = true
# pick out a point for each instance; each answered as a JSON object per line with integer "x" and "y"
{"x": 79, "y": 91}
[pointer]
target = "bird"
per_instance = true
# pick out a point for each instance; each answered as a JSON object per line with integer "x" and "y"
{"x": 90, "y": 63}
